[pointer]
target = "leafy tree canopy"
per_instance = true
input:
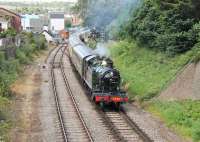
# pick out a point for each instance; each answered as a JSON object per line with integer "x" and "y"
{"x": 168, "y": 25}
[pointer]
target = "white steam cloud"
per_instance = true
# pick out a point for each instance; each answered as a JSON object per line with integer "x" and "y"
{"x": 101, "y": 50}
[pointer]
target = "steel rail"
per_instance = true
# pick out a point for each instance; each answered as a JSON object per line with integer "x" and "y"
{"x": 135, "y": 127}
{"x": 58, "y": 108}
{"x": 74, "y": 101}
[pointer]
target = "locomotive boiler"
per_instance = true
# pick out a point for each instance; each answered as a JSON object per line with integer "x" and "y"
{"x": 98, "y": 73}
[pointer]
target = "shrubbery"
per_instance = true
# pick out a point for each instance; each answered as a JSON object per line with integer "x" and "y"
{"x": 10, "y": 32}
{"x": 9, "y": 69}
{"x": 171, "y": 26}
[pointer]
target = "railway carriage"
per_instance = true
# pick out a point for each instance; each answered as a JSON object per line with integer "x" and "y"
{"x": 98, "y": 73}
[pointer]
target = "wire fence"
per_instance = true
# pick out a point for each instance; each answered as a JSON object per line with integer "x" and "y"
{"x": 9, "y": 46}
{"x": 5, "y": 42}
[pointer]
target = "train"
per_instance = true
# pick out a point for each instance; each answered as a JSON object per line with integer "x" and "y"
{"x": 98, "y": 73}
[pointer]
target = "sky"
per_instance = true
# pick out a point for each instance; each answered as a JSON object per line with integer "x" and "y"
{"x": 38, "y": 0}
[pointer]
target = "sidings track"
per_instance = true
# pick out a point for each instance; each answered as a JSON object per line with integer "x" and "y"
{"x": 71, "y": 121}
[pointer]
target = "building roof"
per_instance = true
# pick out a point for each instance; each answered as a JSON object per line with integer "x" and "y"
{"x": 57, "y": 15}
{"x": 8, "y": 12}
{"x": 30, "y": 16}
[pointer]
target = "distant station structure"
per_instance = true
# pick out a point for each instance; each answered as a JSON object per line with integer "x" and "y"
{"x": 56, "y": 22}
{"x": 9, "y": 19}
{"x": 34, "y": 23}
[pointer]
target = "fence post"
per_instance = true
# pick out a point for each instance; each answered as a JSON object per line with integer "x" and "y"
{"x": 9, "y": 45}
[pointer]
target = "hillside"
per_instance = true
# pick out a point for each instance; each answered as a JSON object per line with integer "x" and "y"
{"x": 152, "y": 54}
{"x": 185, "y": 86}
{"x": 147, "y": 73}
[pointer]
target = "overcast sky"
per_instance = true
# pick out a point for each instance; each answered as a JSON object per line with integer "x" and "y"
{"x": 38, "y": 0}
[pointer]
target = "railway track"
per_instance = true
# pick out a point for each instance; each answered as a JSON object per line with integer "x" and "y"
{"x": 58, "y": 108}
{"x": 72, "y": 124}
{"x": 71, "y": 121}
{"x": 122, "y": 127}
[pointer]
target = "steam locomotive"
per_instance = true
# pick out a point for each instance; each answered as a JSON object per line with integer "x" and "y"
{"x": 98, "y": 73}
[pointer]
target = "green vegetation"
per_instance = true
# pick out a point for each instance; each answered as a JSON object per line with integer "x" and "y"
{"x": 68, "y": 24}
{"x": 147, "y": 71}
{"x": 5, "y": 122}
{"x": 10, "y": 32}
{"x": 10, "y": 68}
{"x": 41, "y": 7}
{"x": 183, "y": 116}
{"x": 159, "y": 39}
{"x": 170, "y": 26}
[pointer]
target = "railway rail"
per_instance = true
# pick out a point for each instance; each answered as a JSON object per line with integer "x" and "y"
{"x": 58, "y": 107}
{"x": 70, "y": 118}
{"x": 122, "y": 125}
{"x": 124, "y": 129}
{"x": 75, "y": 105}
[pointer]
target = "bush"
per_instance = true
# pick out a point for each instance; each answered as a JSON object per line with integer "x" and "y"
{"x": 170, "y": 26}
{"x": 4, "y": 118}
{"x": 9, "y": 69}
{"x": 20, "y": 55}
{"x": 10, "y": 32}
{"x": 40, "y": 42}
{"x": 68, "y": 24}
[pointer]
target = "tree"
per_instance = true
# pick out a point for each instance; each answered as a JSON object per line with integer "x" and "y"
{"x": 165, "y": 24}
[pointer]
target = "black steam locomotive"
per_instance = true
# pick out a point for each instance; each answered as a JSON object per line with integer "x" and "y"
{"x": 98, "y": 73}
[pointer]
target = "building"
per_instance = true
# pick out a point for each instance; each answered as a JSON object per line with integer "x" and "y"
{"x": 9, "y": 19}
{"x": 56, "y": 22}
{"x": 34, "y": 23}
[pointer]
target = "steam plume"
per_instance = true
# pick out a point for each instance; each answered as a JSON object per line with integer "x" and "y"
{"x": 101, "y": 50}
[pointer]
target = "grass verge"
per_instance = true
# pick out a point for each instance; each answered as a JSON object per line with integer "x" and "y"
{"x": 5, "y": 123}
{"x": 145, "y": 71}
{"x": 182, "y": 116}
{"x": 10, "y": 69}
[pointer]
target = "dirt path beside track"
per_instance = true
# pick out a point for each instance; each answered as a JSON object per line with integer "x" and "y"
{"x": 27, "y": 124}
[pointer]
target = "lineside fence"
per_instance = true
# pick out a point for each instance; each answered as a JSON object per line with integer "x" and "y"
{"x": 9, "y": 46}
